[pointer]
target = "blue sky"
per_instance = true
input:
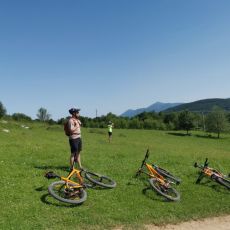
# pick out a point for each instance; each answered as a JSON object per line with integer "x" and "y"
{"x": 111, "y": 55}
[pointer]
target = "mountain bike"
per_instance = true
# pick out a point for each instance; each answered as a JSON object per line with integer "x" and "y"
{"x": 72, "y": 189}
{"x": 158, "y": 182}
{"x": 166, "y": 174}
{"x": 212, "y": 173}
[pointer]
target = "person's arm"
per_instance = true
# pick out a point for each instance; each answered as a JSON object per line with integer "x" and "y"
{"x": 74, "y": 126}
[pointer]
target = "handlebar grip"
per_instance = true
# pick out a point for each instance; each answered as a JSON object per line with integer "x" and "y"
{"x": 206, "y": 162}
{"x": 147, "y": 154}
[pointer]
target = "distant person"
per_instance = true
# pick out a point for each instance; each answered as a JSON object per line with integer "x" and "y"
{"x": 75, "y": 142}
{"x": 110, "y": 130}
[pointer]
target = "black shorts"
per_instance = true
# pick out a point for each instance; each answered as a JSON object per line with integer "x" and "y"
{"x": 110, "y": 134}
{"x": 75, "y": 145}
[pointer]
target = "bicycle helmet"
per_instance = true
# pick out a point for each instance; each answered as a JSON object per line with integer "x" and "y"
{"x": 74, "y": 110}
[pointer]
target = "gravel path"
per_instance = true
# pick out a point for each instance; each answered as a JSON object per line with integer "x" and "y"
{"x": 215, "y": 223}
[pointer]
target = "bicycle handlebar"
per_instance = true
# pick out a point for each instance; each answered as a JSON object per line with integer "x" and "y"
{"x": 202, "y": 166}
{"x": 143, "y": 162}
{"x": 146, "y": 157}
{"x": 206, "y": 162}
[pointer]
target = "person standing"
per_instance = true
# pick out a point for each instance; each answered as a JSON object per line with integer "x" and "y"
{"x": 75, "y": 142}
{"x": 110, "y": 130}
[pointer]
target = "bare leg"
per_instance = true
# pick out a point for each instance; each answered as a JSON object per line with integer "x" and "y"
{"x": 78, "y": 159}
{"x": 110, "y": 137}
{"x": 72, "y": 161}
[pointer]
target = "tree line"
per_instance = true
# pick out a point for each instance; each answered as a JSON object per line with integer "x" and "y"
{"x": 215, "y": 121}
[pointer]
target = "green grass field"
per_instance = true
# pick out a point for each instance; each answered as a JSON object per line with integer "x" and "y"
{"x": 26, "y": 154}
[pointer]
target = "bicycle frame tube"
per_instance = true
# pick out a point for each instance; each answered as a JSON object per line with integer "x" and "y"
{"x": 209, "y": 172}
{"x": 153, "y": 172}
{"x": 78, "y": 175}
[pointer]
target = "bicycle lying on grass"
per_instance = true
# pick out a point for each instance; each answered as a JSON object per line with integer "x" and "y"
{"x": 72, "y": 189}
{"x": 160, "y": 179}
{"x": 212, "y": 173}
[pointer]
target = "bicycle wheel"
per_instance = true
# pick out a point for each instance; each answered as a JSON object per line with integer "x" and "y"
{"x": 222, "y": 181}
{"x": 62, "y": 193}
{"x": 169, "y": 193}
{"x": 168, "y": 175}
{"x": 100, "y": 180}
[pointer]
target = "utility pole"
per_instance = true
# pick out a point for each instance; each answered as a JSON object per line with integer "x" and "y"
{"x": 203, "y": 121}
{"x": 96, "y": 113}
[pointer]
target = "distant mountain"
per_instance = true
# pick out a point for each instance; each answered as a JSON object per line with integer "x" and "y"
{"x": 204, "y": 105}
{"x": 156, "y": 107}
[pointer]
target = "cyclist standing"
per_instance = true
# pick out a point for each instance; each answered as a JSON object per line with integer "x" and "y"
{"x": 110, "y": 130}
{"x": 75, "y": 142}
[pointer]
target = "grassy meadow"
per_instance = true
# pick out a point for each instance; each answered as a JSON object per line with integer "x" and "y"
{"x": 26, "y": 154}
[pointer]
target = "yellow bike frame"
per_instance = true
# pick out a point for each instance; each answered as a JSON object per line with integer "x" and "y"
{"x": 73, "y": 183}
{"x": 154, "y": 174}
{"x": 209, "y": 172}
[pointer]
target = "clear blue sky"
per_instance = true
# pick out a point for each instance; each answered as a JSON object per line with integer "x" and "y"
{"x": 111, "y": 55}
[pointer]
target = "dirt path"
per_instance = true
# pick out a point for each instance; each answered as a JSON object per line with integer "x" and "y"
{"x": 215, "y": 223}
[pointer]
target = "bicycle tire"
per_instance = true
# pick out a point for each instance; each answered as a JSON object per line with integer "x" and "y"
{"x": 100, "y": 180}
{"x": 164, "y": 192}
{"x": 222, "y": 181}
{"x": 168, "y": 175}
{"x": 57, "y": 190}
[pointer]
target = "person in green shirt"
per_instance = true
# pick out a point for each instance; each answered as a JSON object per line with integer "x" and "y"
{"x": 110, "y": 130}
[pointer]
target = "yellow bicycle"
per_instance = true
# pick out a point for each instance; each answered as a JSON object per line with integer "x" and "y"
{"x": 212, "y": 173}
{"x": 72, "y": 189}
{"x": 159, "y": 182}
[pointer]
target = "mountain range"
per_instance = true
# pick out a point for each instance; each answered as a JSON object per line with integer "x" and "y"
{"x": 156, "y": 107}
{"x": 204, "y": 105}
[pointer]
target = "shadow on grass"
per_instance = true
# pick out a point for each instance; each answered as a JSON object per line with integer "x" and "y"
{"x": 207, "y": 136}
{"x": 212, "y": 185}
{"x": 44, "y": 199}
{"x": 151, "y": 194}
{"x": 179, "y": 134}
{"x": 46, "y": 167}
{"x": 40, "y": 189}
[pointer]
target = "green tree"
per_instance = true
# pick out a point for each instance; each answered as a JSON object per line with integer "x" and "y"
{"x": 216, "y": 121}
{"x": 228, "y": 117}
{"x": 149, "y": 124}
{"x": 2, "y": 110}
{"x": 43, "y": 115}
{"x": 186, "y": 120}
{"x": 171, "y": 120}
{"x": 109, "y": 117}
{"x": 21, "y": 117}
{"x": 134, "y": 123}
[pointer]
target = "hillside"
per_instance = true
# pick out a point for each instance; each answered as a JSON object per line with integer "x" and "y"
{"x": 205, "y": 105}
{"x": 156, "y": 107}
